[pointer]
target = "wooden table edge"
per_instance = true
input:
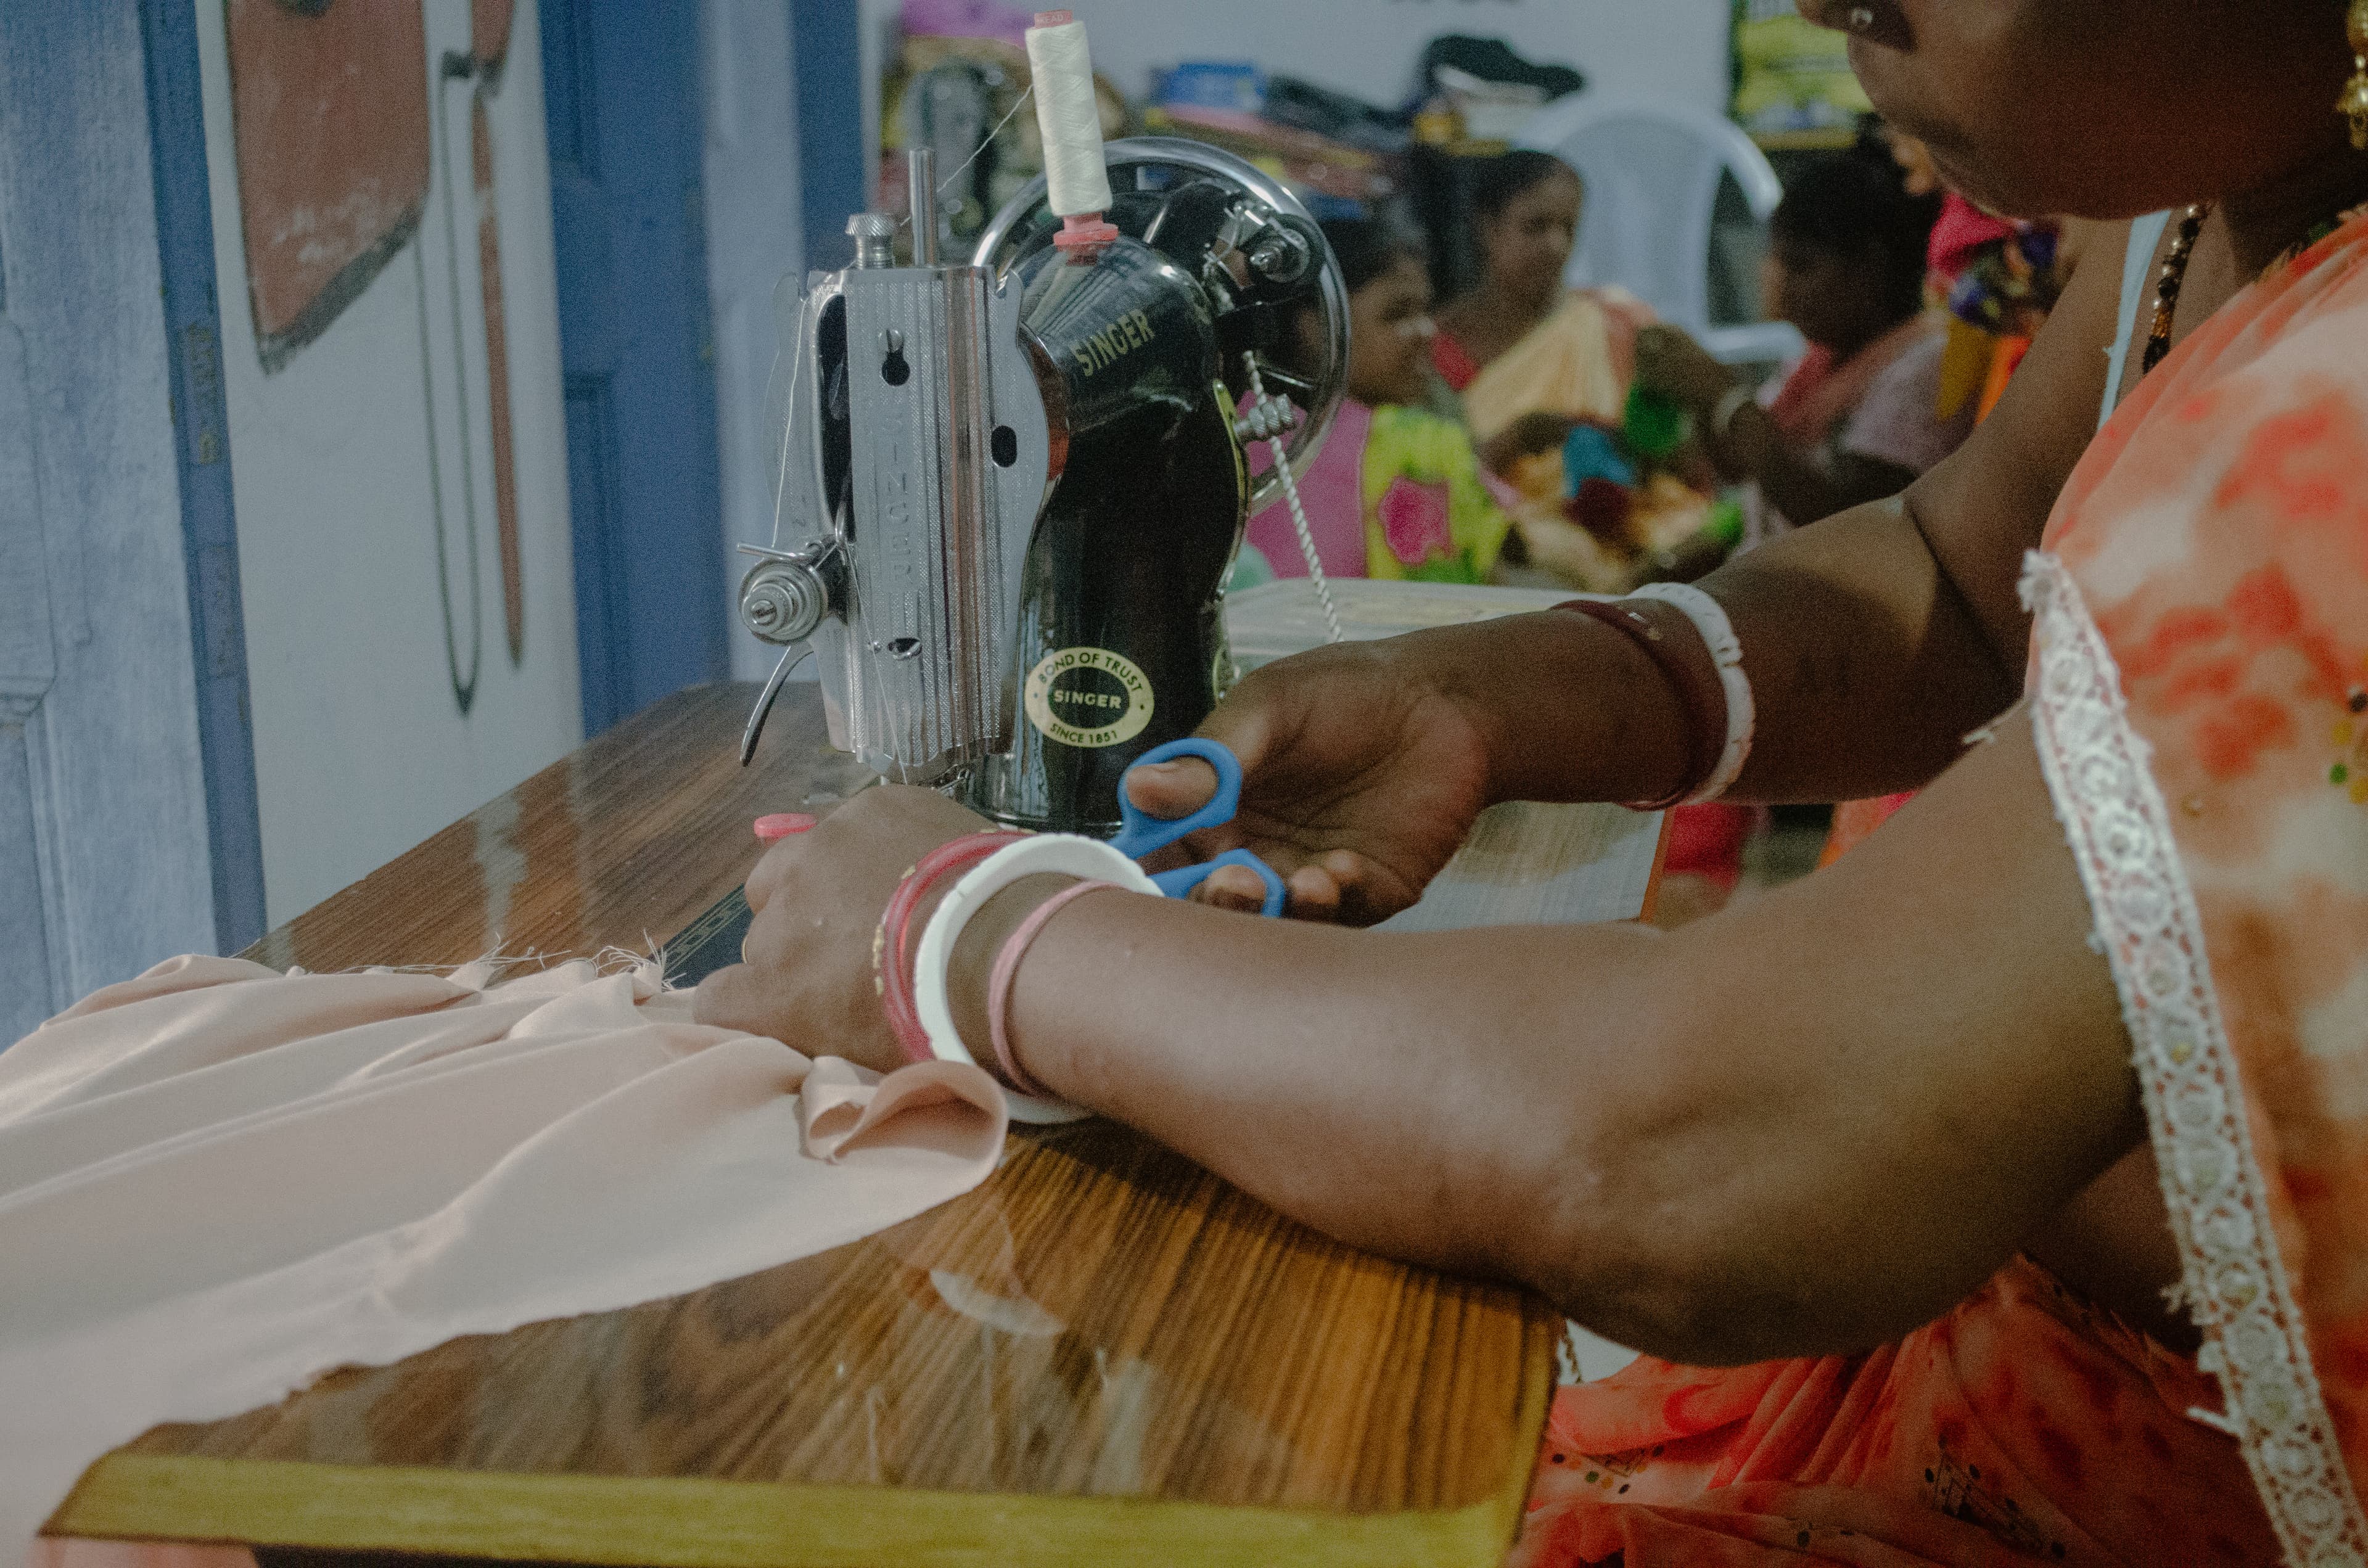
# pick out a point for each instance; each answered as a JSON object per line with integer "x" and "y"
{"x": 658, "y": 1522}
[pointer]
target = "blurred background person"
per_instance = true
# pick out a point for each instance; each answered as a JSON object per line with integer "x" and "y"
{"x": 1397, "y": 490}
{"x": 1858, "y": 417}
{"x": 1521, "y": 342}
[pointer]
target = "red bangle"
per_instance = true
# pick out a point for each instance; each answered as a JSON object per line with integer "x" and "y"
{"x": 1704, "y": 707}
{"x": 891, "y": 974}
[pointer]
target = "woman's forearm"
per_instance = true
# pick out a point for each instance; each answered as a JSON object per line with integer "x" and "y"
{"x": 1748, "y": 1139}
{"x": 1444, "y": 1137}
{"x": 1867, "y": 668}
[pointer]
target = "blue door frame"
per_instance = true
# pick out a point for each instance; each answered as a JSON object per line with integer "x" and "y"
{"x": 832, "y": 184}
{"x": 622, "y": 97}
{"x": 184, "y": 243}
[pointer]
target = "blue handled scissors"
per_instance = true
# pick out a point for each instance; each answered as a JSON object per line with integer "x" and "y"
{"x": 1143, "y": 833}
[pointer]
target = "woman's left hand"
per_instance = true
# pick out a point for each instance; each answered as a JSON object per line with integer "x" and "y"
{"x": 806, "y": 975}
{"x": 1670, "y": 363}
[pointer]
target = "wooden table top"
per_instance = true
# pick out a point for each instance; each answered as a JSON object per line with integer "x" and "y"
{"x": 1104, "y": 1354}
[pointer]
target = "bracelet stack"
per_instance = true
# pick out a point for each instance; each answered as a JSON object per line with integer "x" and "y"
{"x": 1718, "y": 635}
{"x": 891, "y": 971}
{"x": 1720, "y": 718}
{"x": 915, "y": 998}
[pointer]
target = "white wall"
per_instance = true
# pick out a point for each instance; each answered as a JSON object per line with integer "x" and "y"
{"x": 753, "y": 238}
{"x": 1368, "y": 47}
{"x": 361, "y": 748}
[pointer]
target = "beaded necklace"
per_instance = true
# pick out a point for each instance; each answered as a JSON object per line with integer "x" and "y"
{"x": 2182, "y": 251}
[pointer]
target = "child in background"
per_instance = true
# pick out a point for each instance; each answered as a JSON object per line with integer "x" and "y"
{"x": 1397, "y": 492}
{"x": 1857, "y": 419}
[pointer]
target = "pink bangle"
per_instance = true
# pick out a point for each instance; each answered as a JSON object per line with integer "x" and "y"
{"x": 891, "y": 942}
{"x": 1007, "y": 970}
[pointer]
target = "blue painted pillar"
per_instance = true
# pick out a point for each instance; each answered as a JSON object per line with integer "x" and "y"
{"x": 827, "y": 38}
{"x": 184, "y": 243}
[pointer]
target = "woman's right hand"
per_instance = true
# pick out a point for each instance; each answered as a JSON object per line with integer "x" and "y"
{"x": 1361, "y": 776}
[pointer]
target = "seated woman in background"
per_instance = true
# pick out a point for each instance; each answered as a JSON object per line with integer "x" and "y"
{"x": 1397, "y": 492}
{"x": 1857, "y": 419}
{"x": 1521, "y": 342}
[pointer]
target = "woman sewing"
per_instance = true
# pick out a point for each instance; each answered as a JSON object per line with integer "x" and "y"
{"x": 1917, "y": 1145}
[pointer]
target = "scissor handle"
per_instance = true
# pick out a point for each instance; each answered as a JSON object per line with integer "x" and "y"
{"x": 1144, "y": 833}
{"x": 1141, "y": 832}
{"x": 1180, "y": 883}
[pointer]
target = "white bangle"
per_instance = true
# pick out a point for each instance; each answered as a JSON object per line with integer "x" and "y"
{"x": 1055, "y": 853}
{"x": 1718, "y": 634}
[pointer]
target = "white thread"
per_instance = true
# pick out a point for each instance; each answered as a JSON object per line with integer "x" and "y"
{"x": 1298, "y": 512}
{"x": 788, "y": 433}
{"x": 1077, "y": 181}
{"x": 947, "y": 183}
{"x": 1726, "y": 649}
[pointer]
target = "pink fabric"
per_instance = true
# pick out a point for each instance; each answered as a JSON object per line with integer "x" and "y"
{"x": 966, "y": 18}
{"x": 218, "y": 1182}
{"x": 1963, "y": 230}
{"x": 2023, "y": 1429}
{"x": 1333, "y": 494}
{"x": 1455, "y": 366}
{"x": 1707, "y": 840}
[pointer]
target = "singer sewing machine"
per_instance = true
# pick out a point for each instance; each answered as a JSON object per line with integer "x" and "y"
{"x": 1011, "y": 489}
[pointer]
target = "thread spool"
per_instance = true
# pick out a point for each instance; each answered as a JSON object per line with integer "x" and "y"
{"x": 1077, "y": 179}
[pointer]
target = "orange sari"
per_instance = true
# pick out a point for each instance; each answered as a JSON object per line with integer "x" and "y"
{"x": 2199, "y": 690}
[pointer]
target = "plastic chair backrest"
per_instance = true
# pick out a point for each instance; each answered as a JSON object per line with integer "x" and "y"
{"x": 1652, "y": 171}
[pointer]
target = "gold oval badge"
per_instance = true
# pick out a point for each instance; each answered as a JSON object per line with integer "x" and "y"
{"x": 1087, "y": 697}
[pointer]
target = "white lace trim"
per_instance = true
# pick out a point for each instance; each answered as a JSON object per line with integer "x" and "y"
{"x": 2235, "y": 1284}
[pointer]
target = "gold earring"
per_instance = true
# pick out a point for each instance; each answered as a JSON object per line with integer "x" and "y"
{"x": 2353, "y": 104}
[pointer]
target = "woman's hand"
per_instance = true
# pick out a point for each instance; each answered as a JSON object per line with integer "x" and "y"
{"x": 1670, "y": 363}
{"x": 806, "y": 977}
{"x": 1527, "y": 436}
{"x": 1361, "y": 777}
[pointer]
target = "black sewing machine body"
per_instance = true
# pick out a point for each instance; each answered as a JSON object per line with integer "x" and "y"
{"x": 1018, "y": 594}
{"x": 1122, "y": 633}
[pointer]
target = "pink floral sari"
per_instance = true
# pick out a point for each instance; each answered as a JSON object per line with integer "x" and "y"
{"x": 2200, "y": 695}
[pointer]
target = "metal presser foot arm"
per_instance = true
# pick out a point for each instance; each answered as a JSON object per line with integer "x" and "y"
{"x": 790, "y": 659}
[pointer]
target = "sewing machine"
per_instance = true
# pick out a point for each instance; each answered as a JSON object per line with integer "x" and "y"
{"x": 1011, "y": 488}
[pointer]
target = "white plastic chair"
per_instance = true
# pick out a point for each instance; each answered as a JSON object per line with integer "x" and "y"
{"x": 1652, "y": 171}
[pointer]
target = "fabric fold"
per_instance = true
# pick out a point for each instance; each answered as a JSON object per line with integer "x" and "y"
{"x": 218, "y": 1182}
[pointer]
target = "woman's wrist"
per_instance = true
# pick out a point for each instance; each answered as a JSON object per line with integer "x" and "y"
{"x": 1568, "y": 709}
{"x": 969, "y": 979}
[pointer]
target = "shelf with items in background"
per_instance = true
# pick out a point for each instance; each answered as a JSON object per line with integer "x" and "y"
{"x": 1793, "y": 90}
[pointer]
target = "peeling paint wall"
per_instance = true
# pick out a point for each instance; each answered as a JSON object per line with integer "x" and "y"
{"x": 104, "y": 860}
{"x": 368, "y": 479}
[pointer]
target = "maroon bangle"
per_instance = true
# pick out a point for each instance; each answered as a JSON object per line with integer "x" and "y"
{"x": 1703, "y": 707}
